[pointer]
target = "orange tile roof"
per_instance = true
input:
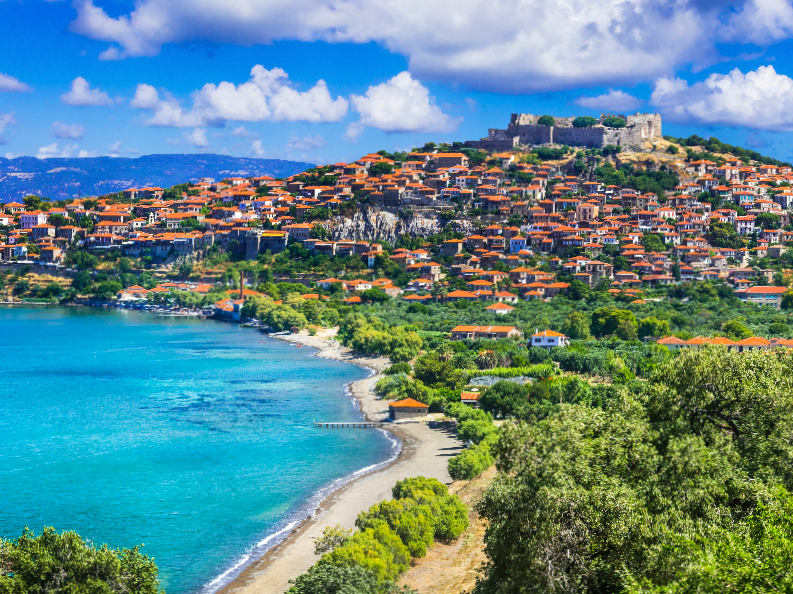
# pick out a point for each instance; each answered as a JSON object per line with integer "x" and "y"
{"x": 408, "y": 403}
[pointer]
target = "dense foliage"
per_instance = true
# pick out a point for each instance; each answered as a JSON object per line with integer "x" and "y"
{"x": 370, "y": 560}
{"x": 677, "y": 486}
{"x": 63, "y": 562}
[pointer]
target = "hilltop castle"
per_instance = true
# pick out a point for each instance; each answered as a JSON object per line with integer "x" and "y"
{"x": 524, "y": 131}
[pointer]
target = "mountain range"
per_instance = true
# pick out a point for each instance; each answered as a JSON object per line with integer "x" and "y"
{"x": 59, "y": 179}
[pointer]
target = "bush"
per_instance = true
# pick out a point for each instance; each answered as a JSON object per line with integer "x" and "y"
{"x": 453, "y": 518}
{"x": 546, "y": 120}
{"x": 414, "y": 487}
{"x": 53, "y": 562}
{"x": 377, "y": 549}
{"x": 324, "y": 578}
{"x": 471, "y": 462}
{"x": 475, "y": 431}
{"x": 22, "y": 286}
{"x": 399, "y": 368}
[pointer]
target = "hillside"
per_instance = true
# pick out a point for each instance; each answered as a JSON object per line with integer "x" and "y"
{"x": 94, "y": 176}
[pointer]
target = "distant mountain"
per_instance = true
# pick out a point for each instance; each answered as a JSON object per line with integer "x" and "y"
{"x": 59, "y": 179}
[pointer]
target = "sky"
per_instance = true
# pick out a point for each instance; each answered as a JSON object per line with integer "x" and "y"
{"x": 327, "y": 81}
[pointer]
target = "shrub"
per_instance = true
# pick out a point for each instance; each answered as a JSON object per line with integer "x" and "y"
{"x": 53, "y": 562}
{"x": 475, "y": 431}
{"x": 410, "y": 487}
{"x": 452, "y": 520}
{"x": 471, "y": 462}
{"x": 401, "y": 367}
{"x": 324, "y": 578}
{"x": 377, "y": 549}
{"x": 546, "y": 120}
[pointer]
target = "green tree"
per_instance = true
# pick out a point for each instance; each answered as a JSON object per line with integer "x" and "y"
{"x": 375, "y": 295}
{"x": 652, "y": 242}
{"x": 605, "y": 320}
{"x": 53, "y": 562}
{"x": 584, "y": 122}
{"x": 107, "y": 289}
{"x": 614, "y": 122}
{"x": 505, "y": 399}
{"x": 576, "y": 326}
{"x": 626, "y": 330}
{"x": 787, "y": 299}
{"x": 22, "y": 286}
{"x": 380, "y": 169}
{"x": 57, "y": 220}
{"x": 546, "y": 120}
{"x": 736, "y": 329}
{"x": 653, "y": 327}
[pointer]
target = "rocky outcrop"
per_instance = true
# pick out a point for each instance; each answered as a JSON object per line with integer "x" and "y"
{"x": 386, "y": 226}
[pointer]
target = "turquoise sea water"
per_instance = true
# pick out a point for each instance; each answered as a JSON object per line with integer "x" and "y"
{"x": 192, "y": 437}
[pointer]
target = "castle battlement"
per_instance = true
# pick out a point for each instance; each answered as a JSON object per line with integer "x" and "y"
{"x": 523, "y": 131}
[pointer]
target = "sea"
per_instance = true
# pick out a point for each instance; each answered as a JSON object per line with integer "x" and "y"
{"x": 191, "y": 437}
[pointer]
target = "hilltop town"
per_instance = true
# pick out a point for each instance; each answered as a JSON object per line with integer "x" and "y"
{"x": 442, "y": 223}
{"x": 518, "y": 295}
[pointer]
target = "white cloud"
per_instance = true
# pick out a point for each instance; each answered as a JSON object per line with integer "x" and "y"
{"x": 241, "y": 132}
{"x": 198, "y": 138}
{"x": 268, "y": 95}
{"x": 9, "y": 84}
{"x": 401, "y": 104}
{"x": 6, "y": 119}
{"x": 509, "y": 45}
{"x": 54, "y": 151}
{"x": 71, "y": 132}
{"x": 760, "y": 99}
{"x": 309, "y": 143}
{"x": 614, "y": 99}
{"x": 84, "y": 154}
{"x": 83, "y": 95}
{"x": 115, "y": 147}
{"x": 257, "y": 150}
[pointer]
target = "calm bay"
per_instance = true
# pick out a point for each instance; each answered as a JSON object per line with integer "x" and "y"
{"x": 192, "y": 437}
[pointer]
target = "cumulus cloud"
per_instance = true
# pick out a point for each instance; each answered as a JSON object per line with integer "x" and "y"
{"x": 240, "y": 132}
{"x": 198, "y": 138}
{"x": 257, "y": 150}
{"x": 512, "y": 46}
{"x": 71, "y": 132}
{"x": 6, "y": 119}
{"x": 9, "y": 84}
{"x": 82, "y": 94}
{"x": 55, "y": 151}
{"x": 267, "y": 96}
{"x": 760, "y": 99}
{"x": 307, "y": 143}
{"x": 614, "y": 99}
{"x": 401, "y": 104}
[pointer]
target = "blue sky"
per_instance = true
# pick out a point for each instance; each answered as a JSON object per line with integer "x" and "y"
{"x": 329, "y": 81}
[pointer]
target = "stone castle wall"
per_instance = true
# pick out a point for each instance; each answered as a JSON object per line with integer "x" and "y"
{"x": 523, "y": 130}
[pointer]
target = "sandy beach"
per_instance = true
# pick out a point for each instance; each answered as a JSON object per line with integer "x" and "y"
{"x": 424, "y": 452}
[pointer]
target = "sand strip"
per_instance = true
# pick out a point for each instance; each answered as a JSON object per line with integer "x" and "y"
{"x": 424, "y": 452}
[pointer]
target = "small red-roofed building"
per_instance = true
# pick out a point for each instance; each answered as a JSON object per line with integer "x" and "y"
{"x": 407, "y": 409}
{"x": 499, "y": 308}
{"x": 470, "y": 398}
{"x": 548, "y": 339}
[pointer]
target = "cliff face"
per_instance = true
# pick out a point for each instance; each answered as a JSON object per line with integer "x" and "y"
{"x": 387, "y": 226}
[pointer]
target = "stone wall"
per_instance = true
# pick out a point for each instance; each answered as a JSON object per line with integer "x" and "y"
{"x": 523, "y": 130}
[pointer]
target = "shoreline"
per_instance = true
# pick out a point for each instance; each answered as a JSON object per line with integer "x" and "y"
{"x": 422, "y": 451}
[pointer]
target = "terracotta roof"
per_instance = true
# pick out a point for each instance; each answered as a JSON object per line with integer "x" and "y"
{"x": 408, "y": 403}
